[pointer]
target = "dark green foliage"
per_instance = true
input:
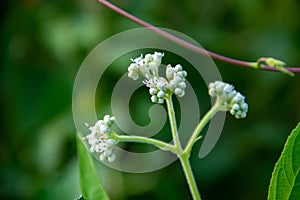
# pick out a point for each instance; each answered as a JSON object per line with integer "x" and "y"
{"x": 43, "y": 43}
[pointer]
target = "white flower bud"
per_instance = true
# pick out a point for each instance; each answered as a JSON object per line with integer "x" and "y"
{"x": 157, "y": 56}
{"x": 235, "y": 107}
{"x": 148, "y": 58}
{"x": 154, "y": 99}
{"x": 229, "y": 98}
{"x": 237, "y": 98}
{"x": 219, "y": 88}
{"x": 178, "y": 68}
{"x": 133, "y": 67}
{"x": 179, "y": 74}
{"x": 161, "y": 86}
{"x": 212, "y": 92}
{"x": 243, "y": 115}
{"x": 179, "y": 92}
{"x": 133, "y": 75}
{"x": 161, "y": 94}
{"x": 111, "y": 158}
{"x": 153, "y": 91}
{"x": 182, "y": 85}
{"x": 107, "y": 120}
{"x": 232, "y": 112}
{"x": 228, "y": 88}
{"x": 102, "y": 157}
{"x": 160, "y": 101}
{"x": 104, "y": 129}
{"x": 170, "y": 72}
{"x": 112, "y": 119}
{"x": 244, "y": 106}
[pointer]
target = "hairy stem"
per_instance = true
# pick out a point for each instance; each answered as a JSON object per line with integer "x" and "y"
{"x": 190, "y": 46}
{"x": 184, "y": 160}
{"x": 200, "y": 126}
{"x": 173, "y": 125}
{"x": 139, "y": 139}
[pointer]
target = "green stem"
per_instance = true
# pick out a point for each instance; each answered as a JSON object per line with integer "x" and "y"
{"x": 200, "y": 126}
{"x": 128, "y": 138}
{"x": 173, "y": 125}
{"x": 190, "y": 177}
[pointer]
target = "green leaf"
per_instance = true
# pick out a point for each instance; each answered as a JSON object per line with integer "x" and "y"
{"x": 285, "y": 181}
{"x": 90, "y": 185}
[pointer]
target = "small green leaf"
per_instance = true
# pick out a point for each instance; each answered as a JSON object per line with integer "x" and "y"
{"x": 90, "y": 185}
{"x": 285, "y": 181}
{"x": 275, "y": 63}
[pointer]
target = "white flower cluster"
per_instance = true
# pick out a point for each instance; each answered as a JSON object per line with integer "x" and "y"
{"x": 148, "y": 66}
{"x": 230, "y": 99}
{"x": 159, "y": 86}
{"x": 100, "y": 138}
{"x": 176, "y": 76}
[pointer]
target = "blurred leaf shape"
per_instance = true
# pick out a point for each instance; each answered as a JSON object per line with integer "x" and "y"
{"x": 90, "y": 185}
{"x": 285, "y": 181}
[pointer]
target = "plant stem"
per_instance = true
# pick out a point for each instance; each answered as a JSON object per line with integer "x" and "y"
{"x": 128, "y": 138}
{"x": 200, "y": 126}
{"x": 191, "y": 46}
{"x": 184, "y": 160}
{"x": 173, "y": 125}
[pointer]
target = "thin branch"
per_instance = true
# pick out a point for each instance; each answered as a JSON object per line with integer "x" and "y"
{"x": 188, "y": 45}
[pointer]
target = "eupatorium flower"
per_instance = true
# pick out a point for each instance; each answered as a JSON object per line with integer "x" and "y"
{"x": 229, "y": 98}
{"x": 158, "y": 86}
{"x": 100, "y": 139}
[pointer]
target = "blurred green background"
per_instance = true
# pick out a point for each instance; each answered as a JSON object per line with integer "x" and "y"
{"x": 43, "y": 45}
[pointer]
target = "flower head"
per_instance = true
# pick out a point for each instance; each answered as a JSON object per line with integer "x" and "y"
{"x": 146, "y": 66}
{"x": 176, "y": 76}
{"x": 158, "y": 86}
{"x": 229, "y": 98}
{"x": 100, "y": 139}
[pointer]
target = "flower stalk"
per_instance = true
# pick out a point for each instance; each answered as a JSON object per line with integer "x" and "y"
{"x": 103, "y": 139}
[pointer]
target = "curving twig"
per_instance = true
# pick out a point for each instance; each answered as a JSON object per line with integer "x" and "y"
{"x": 197, "y": 49}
